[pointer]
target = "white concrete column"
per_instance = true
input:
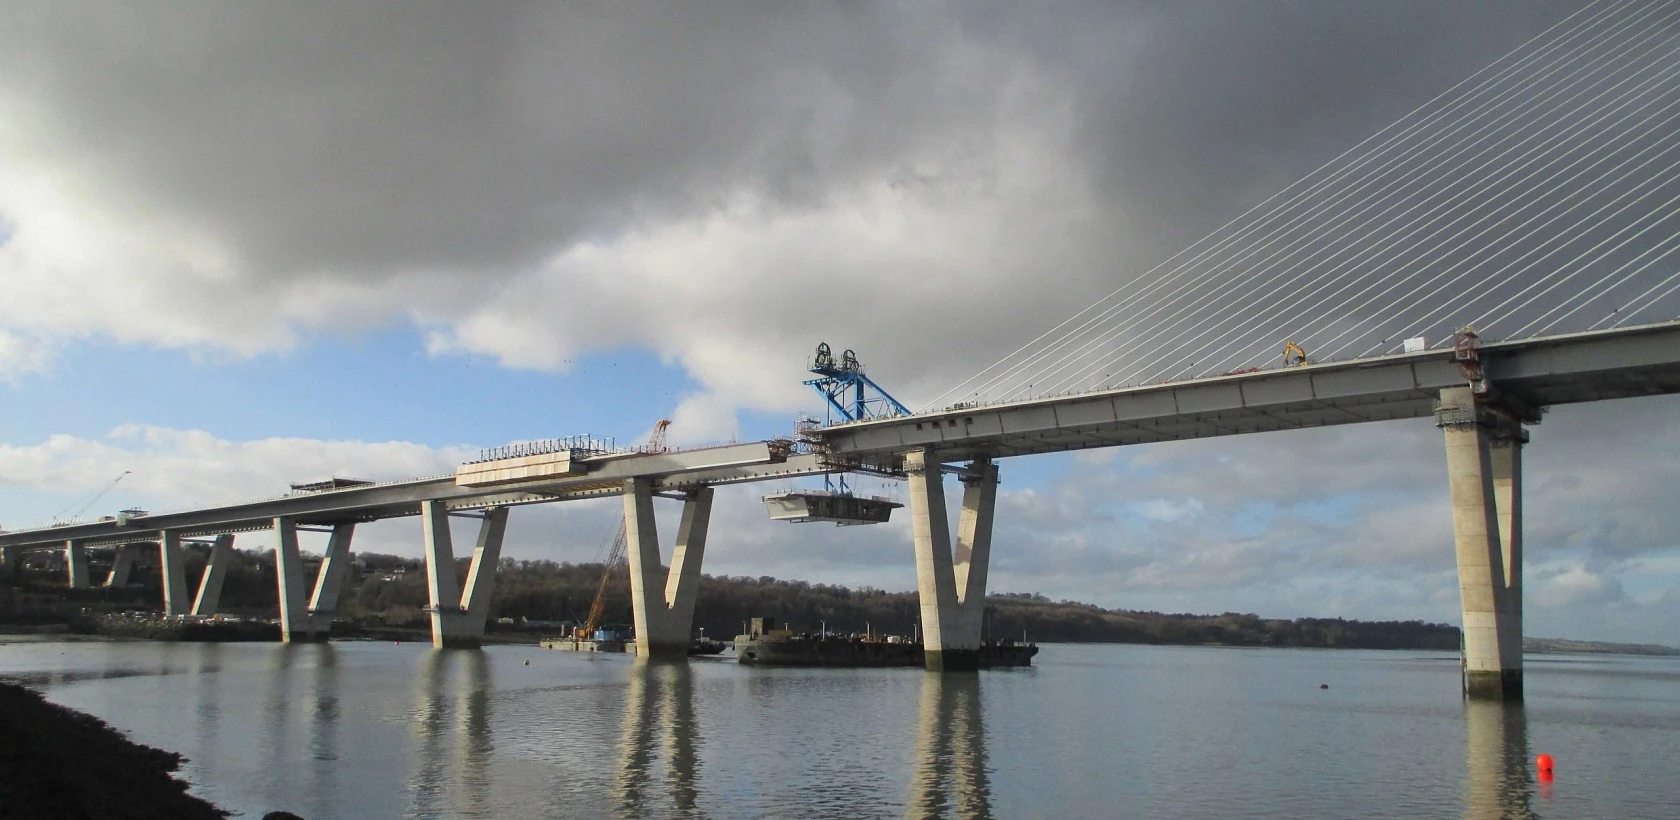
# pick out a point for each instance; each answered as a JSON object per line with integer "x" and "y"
{"x": 173, "y": 564}
{"x": 209, "y": 597}
{"x": 1505, "y": 461}
{"x": 481, "y": 576}
{"x": 458, "y": 615}
{"x": 972, "y": 556}
{"x": 951, "y": 589}
{"x": 288, "y": 565}
{"x": 663, "y": 621}
{"x": 1492, "y": 639}
{"x": 442, "y": 587}
{"x": 329, "y": 579}
{"x": 76, "y": 564}
{"x": 682, "y": 583}
{"x": 122, "y": 566}
{"x": 641, "y": 542}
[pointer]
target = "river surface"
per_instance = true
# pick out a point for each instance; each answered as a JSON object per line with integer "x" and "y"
{"x": 370, "y": 730}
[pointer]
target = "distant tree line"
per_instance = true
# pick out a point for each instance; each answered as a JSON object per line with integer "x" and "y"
{"x": 391, "y": 590}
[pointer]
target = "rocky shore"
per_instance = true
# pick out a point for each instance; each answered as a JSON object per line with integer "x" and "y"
{"x": 60, "y": 763}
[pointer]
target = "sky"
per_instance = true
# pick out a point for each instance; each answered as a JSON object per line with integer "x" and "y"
{"x": 247, "y": 244}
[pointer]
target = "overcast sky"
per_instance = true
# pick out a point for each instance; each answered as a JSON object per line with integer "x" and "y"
{"x": 244, "y": 244}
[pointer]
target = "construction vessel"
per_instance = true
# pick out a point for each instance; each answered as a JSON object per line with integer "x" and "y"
{"x": 766, "y": 645}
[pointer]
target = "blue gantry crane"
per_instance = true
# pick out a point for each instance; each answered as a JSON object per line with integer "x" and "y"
{"x": 848, "y": 391}
{"x": 853, "y": 397}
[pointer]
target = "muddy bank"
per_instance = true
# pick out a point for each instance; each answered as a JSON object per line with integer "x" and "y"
{"x": 60, "y": 763}
{"x": 165, "y": 629}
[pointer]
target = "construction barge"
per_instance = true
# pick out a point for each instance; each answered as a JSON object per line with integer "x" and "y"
{"x": 622, "y": 639}
{"x": 765, "y": 645}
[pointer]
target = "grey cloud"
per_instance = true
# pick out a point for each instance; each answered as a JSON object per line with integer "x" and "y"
{"x": 364, "y": 140}
{"x": 340, "y": 141}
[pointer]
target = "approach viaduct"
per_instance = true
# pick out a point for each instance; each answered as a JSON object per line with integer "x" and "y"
{"x": 1481, "y": 399}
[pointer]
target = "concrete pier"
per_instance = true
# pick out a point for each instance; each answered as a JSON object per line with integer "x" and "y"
{"x": 454, "y": 622}
{"x": 122, "y": 565}
{"x": 329, "y": 579}
{"x": 1484, "y": 466}
{"x": 209, "y": 596}
{"x": 76, "y": 564}
{"x": 481, "y": 573}
{"x": 172, "y": 561}
{"x": 951, "y": 584}
{"x": 663, "y": 623}
{"x": 294, "y": 615}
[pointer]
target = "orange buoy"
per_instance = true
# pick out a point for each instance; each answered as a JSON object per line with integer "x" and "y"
{"x": 1544, "y": 762}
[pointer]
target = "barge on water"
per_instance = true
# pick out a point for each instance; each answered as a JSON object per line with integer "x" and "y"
{"x": 765, "y": 645}
{"x": 622, "y": 639}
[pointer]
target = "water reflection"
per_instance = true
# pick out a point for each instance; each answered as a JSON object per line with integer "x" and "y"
{"x": 276, "y": 710}
{"x": 323, "y": 726}
{"x": 1497, "y": 782}
{"x": 207, "y": 693}
{"x": 451, "y": 708}
{"x": 658, "y": 717}
{"x": 951, "y": 768}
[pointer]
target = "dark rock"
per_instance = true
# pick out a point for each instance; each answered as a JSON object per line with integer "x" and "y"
{"x": 57, "y": 762}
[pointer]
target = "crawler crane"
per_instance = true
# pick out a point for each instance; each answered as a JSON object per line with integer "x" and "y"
{"x": 616, "y": 558}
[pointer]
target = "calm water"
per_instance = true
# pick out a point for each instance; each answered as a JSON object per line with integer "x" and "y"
{"x": 377, "y": 730}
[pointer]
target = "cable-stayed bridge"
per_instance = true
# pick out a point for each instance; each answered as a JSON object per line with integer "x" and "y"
{"x": 1507, "y": 246}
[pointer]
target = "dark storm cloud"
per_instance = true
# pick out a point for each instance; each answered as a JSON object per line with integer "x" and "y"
{"x": 1197, "y": 110}
{"x": 346, "y": 138}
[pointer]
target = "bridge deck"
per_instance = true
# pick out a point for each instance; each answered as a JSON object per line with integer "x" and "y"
{"x": 1540, "y": 372}
{"x": 1621, "y": 363}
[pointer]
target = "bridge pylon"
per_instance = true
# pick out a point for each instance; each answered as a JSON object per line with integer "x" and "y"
{"x": 76, "y": 564}
{"x": 1484, "y": 472}
{"x": 209, "y": 597}
{"x": 458, "y": 615}
{"x": 329, "y": 579}
{"x": 664, "y": 619}
{"x": 951, "y": 580}
{"x": 122, "y": 565}
{"x": 172, "y": 562}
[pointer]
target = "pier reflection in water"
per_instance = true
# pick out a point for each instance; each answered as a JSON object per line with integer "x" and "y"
{"x": 952, "y": 776}
{"x": 450, "y": 723}
{"x": 659, "y": 731}
{"x": 377, "y": 730}
{"x": 1498, "y": 780}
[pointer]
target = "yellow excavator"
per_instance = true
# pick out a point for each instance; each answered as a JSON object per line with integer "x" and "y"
{"x": 616, "y": 557}
{"x": 1293, "y": 355}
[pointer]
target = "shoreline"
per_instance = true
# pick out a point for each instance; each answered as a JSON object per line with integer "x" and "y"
{"x": 59, "y": 762}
